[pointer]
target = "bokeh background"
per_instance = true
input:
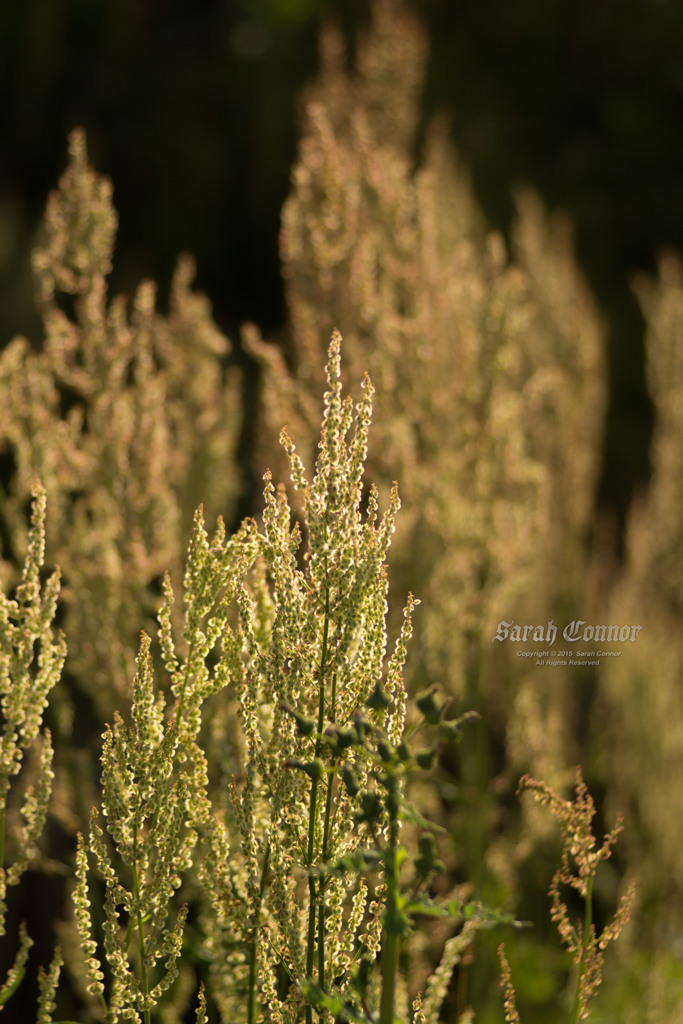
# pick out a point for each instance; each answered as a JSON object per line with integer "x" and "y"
{"x": 191, "y": 109}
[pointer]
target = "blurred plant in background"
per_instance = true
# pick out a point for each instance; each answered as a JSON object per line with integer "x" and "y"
{"x": 640, "y": 744}
{"x": 491, "y": 393}
{"x": 489, "y": 369}
{"x": 126, "y": 421}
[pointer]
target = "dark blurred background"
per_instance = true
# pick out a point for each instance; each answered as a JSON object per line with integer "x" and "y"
{"x": 190, "y": 107}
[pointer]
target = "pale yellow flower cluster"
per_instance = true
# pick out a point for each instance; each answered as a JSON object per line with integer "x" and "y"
{"x": 294, "y": 615}
{"x": 31, "y": 659}
{"x": 313, "y": 639}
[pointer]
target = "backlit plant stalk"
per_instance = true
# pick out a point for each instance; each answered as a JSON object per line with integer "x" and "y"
{"x": 317, "y": 698}
{"x": 293, "y": 614}
{"x": 308, "y": 673}
{"x": 154, "y": 799}
{"x": 578, "y": 866}
{"x": 316, "y": 910}
{"x": 393, "y": 925}
{"x": 31, "y": 661}
{"x": 316, "y": 806}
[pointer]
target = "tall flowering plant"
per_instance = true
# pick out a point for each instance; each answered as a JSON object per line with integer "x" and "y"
{"x": 307, "y": 889}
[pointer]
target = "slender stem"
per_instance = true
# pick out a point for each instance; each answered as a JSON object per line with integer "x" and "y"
{"x": 313, "y": 807}
{"x": 251, "y": 997}
{"x": 391, "y": 939}
{"x": 325, "y": 852}
{"x": 4, "y": 794}
{"x": 183, "y": 691}
{"x": 3, "y": 811}
{"x": 475, "y": 768}
{"x": 141, "y": 931}
{"x": 587, "y": 927}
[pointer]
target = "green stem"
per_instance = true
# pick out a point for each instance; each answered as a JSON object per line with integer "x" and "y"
{"x": 587, "y": 926}
{"x": 313, "y": 807}
{"x": 326, "y": 853}
{"x": 183, "y": 691}
{"x": 251, "y": 997}
{"x": 4, "y": 794}
{"x": 141, "y": 930}
{"x": 2, "y": 835}
{"x": 391, "y": 938}
{"x": 476, "y": 772}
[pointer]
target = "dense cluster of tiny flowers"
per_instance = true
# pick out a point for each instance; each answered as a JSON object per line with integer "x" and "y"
{"x": 31, "y": 660}
{"x": 293, "y": 615}
{"x": 314, "y": 644}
